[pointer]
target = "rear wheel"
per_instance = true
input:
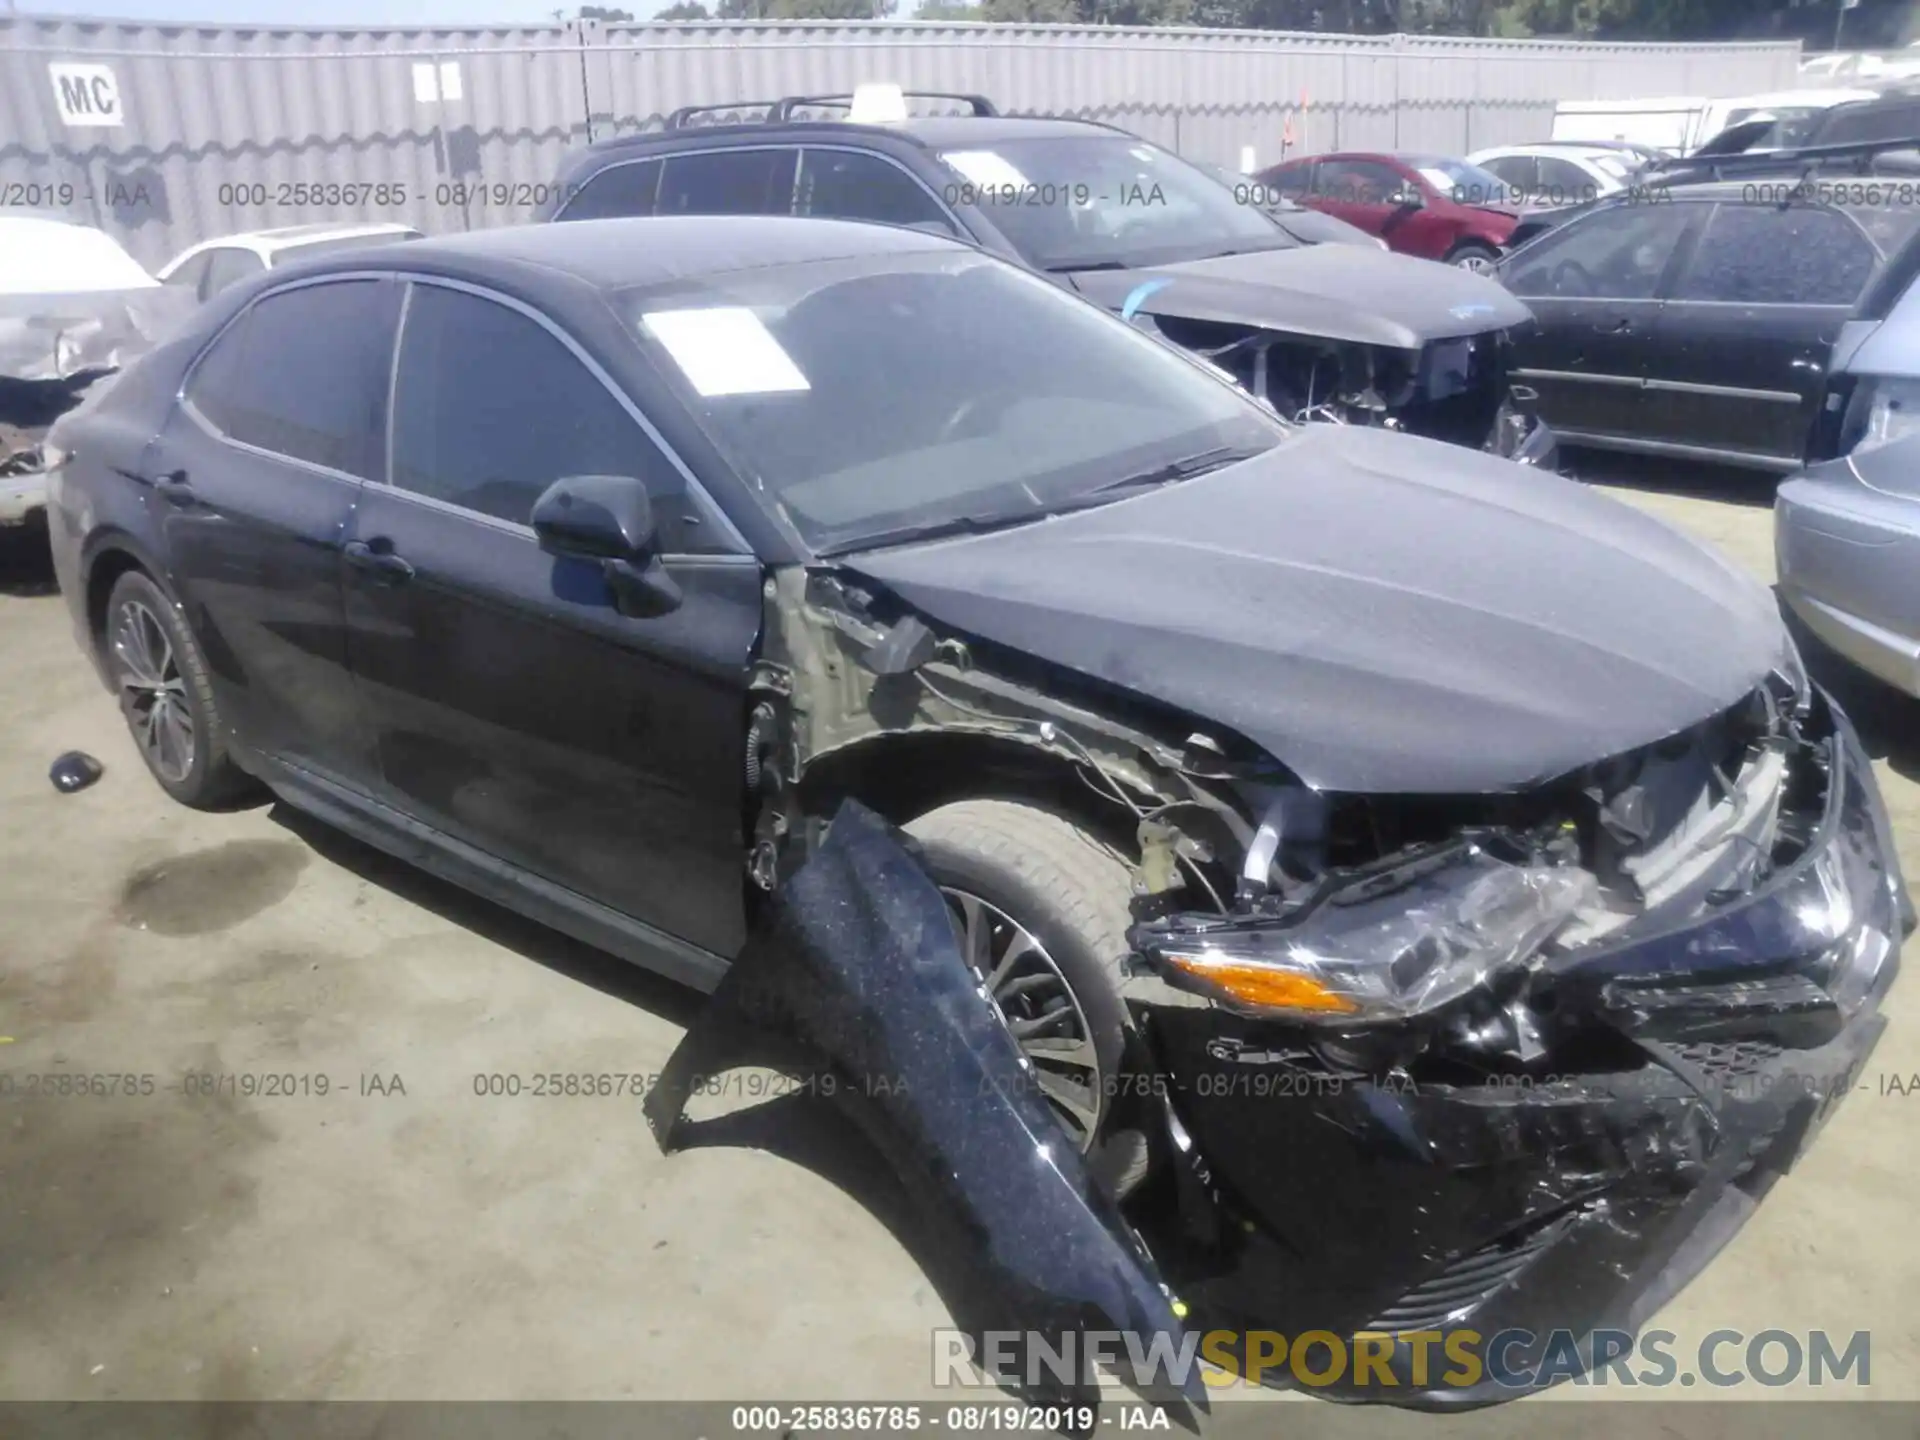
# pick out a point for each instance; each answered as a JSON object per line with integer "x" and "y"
{"x": 161, "y": 679}
{"x": 1041, "y": 910}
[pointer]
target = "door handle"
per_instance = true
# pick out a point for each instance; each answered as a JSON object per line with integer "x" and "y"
{"x": 173, "y": 488}
{"x": 382, "y": 564}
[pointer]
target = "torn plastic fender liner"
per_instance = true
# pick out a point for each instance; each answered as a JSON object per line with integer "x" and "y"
{"x": 859, "y": 969}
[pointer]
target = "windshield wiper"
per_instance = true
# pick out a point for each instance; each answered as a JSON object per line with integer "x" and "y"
{"x": 1185, "y": 469}
{"x": 932, "y": 530}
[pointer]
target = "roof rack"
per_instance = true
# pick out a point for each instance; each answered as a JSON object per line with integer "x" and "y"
{"x": 783, "y": 109}
{"x": 1719, "y": 167}
{"x": 683, "y": 117}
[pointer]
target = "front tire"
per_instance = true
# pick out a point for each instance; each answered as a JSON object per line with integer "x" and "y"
{"x": 166, "y": 697}
{"x": 1042, "y": 911}
{"x": 1474, "y": 257}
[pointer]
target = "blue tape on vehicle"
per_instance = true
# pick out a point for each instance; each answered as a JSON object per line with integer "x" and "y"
{"x": 1139, "y": 296}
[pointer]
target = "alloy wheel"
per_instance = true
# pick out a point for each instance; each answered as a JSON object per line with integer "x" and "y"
{"x": 1038, "y": 1007}
{"x": 153, "y": 692}
{"x": 1477, "y": 264}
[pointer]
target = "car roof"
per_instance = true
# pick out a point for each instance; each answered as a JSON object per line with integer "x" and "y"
{"x": 935, "y": 132}
{"x": 621, "y": 253}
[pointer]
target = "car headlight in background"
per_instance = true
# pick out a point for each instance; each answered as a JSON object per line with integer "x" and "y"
{"x": 1381, "y": 946}
{"x": 1883, "y": 409}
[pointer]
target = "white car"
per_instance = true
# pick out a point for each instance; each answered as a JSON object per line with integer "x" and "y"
{"x": 212, "y": 265}
{"x": 1549, "y": 176}
{"x": 73, "y": 307}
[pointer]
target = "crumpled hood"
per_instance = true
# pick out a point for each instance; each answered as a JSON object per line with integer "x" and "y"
{"x": 1382, "y": 614}
{"x": 1342, "y": 292}
{"x": 52, "y": 337}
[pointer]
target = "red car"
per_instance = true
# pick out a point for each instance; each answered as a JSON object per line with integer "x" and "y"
{"x": 1425, "y": 205}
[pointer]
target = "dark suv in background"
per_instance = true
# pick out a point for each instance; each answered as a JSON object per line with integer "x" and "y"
{"x": 1341, "y": 332}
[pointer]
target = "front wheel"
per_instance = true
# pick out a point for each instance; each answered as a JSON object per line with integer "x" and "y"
{"x": 1475, "y": 258}
{"x": 1041, "y": 910}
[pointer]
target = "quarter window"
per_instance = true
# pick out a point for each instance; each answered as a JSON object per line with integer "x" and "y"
{"x": 303, "y": 374}
{"x": 728, "y": 182}
{"x": 850, "y": 185}
{"x": 1764, "y": 255}
{"x": 490, "y": 409}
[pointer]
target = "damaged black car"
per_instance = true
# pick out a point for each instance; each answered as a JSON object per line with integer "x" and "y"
{"x": 1341, "y": 333}
{"x": 1420, "y": 890}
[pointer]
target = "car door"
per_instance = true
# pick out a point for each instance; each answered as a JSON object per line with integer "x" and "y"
{"x": 1594, "y": 288}
{"x": 1740, "y": 351}
{"x": 1360, "y": 192}
{"x": 255, "y": 474}
{"x": 516, "y": 710}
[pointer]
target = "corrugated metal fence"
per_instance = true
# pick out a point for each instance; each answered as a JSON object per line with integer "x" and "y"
{"x": 166, "y": 134}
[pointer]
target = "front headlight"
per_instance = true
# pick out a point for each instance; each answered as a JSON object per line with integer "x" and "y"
{"x": 1384, "y": 946}
{"x": 1883, "y": 409}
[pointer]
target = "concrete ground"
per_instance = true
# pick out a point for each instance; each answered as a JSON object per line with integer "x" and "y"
{"x": 406, "y": 1236}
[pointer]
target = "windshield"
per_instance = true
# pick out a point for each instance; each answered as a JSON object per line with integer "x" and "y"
{"x": 866, "y": 397}
{"x": 1791, "y": 124}
{"x": 1074, "y": 202}
{"x": 1463, "y": 183}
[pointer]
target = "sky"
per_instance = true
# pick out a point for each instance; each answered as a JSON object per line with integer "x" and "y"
{"x": 306, "y": 13}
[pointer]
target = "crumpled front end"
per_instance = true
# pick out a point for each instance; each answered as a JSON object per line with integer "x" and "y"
{"x": 1454, "y": 389}
{"x": 1522, "y": 1078}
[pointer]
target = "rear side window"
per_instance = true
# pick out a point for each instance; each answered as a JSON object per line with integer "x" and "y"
{"x": 1764, "y": 255}
{"x": 850, "y": 185}
{"x": 616, "y": 191}
{"x": 490, "y": 408}
{"x": 728, "y": 182}
{"x": 303, "y": 373}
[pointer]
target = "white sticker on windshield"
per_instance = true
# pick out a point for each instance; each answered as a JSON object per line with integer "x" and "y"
{"x": 725, "y": 351}
{"x": 986, "y": 169}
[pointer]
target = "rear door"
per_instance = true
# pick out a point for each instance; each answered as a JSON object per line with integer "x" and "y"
{"x": 256, "y": 474}
{"x": 1740, "y": 350}
{"x": 516, "y": 710}
{"x": 1594, "y": 287}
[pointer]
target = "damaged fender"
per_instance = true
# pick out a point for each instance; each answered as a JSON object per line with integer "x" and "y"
{"x": 860, "y": 974}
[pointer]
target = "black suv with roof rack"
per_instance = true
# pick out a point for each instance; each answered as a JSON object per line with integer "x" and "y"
{"x": 1338, "y": 332}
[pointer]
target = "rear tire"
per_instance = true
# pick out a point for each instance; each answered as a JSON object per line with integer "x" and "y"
{"x": 1009, "y": 868}
{"x": 160, "y": 677}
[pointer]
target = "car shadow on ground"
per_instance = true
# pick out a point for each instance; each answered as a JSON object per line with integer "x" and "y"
{"x": 800, "y": 1123}
{"x": 1727, "y": 484}
{"x": 26, "y": 563}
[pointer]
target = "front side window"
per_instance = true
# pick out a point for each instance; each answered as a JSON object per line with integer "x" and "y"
{"x": 617, "y": 191}
{"x": 728, "y": 182}
{"x": 863, "y": 400}
{"x": 1358, "y": 182}
{"x": 851, "y": 185}
{"x": 1764, "y": 255}
{"x": 1564, "y": 183}
{"x": 1618, "y": 252}
{"x": 1074, "y": 202}
{"x": 490, "y": 408}
{"x": 303, "y": 373}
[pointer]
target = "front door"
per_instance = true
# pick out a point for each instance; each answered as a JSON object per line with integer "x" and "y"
{"x": 516, "y": 709}
{"x": 1594, "y": 288}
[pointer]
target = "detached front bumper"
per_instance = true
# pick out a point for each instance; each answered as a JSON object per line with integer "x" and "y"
{"x": 1571, "y": 1203}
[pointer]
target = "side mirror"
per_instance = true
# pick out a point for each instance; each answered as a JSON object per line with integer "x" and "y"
{"x": 608, "y": 518}
{"x": 1408, "y": 198}
{"x": 597, "y": 517}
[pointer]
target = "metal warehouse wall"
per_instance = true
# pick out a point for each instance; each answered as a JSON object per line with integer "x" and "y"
{"x": 167, "y": 134}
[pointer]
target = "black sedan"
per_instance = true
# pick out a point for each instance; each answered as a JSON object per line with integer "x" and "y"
{"x": 1264, "y": 770}
{"x": 1695, "y": 320}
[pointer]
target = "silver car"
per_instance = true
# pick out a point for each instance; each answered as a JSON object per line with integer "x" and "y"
{"x": 1847, "y": 527}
